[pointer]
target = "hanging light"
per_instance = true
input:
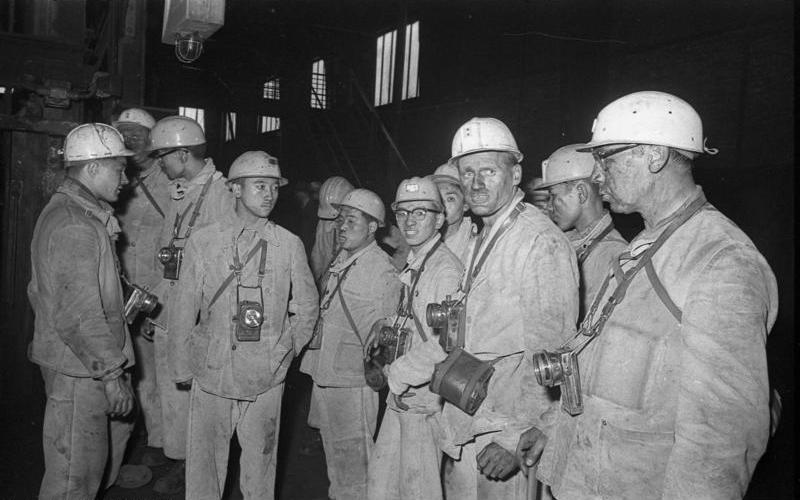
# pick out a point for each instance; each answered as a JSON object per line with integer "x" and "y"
{"x": 188, "y": 47}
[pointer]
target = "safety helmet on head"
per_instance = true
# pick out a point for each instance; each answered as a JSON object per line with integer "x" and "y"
{"x": 256, "y": 164}
{"x": 418, "y": 189}
{"x": 91, "y": 141}
{"x": 366, "y": 201}
{"x": 566, "y": 164}
{"x": 447, "y": 173}
{"x": 135, "y": 116}
{"x": 175, "y": 132}
{"x": 649, "y": 117}
{"x": 333, "y": 190}
{"x": 483, "y": 134}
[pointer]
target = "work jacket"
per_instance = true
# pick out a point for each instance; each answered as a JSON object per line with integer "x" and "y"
{"x": 371, "y": 291}
{"x": 325, "y": 247}
{"x": 142, "y": 218}
{"x": 596, "y": 249}
{"x": 676, "y": 394}
{"x": 439, "y": 278}
{"x": 209, "y": 352}
{"x": 459, "y": 241}
{"x": 75, "y": 288}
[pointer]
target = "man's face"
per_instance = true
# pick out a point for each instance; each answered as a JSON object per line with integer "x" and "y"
{"x": 108, "y": 178}
{"x": 355, "y": 230}
{"x": 488, "y": 183}
{"x": 417, "y": 228}
{"x": 135, "y": 136}
{"x": 257, "y": 195}
{"x": 453, "y": 197}
{"x": 172, "y": 163}
{"x": 564, "y": 205}
{"x": 623, "y": 178}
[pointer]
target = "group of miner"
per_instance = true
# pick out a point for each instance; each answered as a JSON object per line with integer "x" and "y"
{"x": 525, "y": 350}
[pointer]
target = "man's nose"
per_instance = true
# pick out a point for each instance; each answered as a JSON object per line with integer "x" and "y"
{"x": 598, "y": 176}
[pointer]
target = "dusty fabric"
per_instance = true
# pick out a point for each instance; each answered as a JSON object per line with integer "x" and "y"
{"x": 147, "y": 390}
{"x": 459, "y": 241}
{"x": 346, "y": 417}
{"x": 174, "y": 400}
{"x": 371, "y": 290}
{"x": 325, "y": 247}
{"x": 595, "y": 258}
{"x": 212, "y": 422}
{"x": 209, "y": 352}
{"x": 406, "y": 457}
{"x": 75, "y": 290}
{"x": 82, "y": 446}
{"x": 674, "y": 409}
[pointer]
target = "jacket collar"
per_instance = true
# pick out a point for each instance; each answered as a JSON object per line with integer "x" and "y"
{"x": 595, "y": 229}
{"x": 265, "y": 230}
{"x": 99, "y": 209}
{"x": 341, "y": 261}
{"x": 643, "y": 240}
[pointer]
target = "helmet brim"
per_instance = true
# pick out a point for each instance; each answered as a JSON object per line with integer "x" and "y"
{"x": 281, "y": 180}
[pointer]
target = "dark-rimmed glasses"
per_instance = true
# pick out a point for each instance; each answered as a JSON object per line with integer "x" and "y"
{"x": 416, "y": 214}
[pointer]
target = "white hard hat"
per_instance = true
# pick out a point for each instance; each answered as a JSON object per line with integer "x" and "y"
{"x": 649, "y": 117}
{"x": 566, "y": 164}
{"x": 135, "y": 116}
{"x": 418, "y": 189}
{"x": 366, "y": 201}
{"x": 333, "y": 190}
{"x": 256, "y": 164}
{"x": 175, "y": 132}
{"x": 446, "y": 173}
{"x": 91, "y": 141}
{"x": 483, "y": 134}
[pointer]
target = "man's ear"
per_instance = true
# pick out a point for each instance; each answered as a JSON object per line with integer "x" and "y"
{"x": 583, "y": 192}
{"x": 657, "y": 158}
{"x": 92, "y": 169}
{"x": 516, "y": 173}
{"x": 236, "y": 189}
{"x": 373, "y": 226}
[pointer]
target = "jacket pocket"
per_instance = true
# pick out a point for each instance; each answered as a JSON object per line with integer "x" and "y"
{"x": 633, "y": 463}
{"x": 348, "y": 360}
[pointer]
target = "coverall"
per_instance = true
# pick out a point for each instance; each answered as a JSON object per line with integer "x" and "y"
{"x": 676, "y": 396}
{"x": 343, "y": 407}
{"x": 405, "y": 461}
{"x": 596, "y": 250}
{"x": 141, "y": 224}
{"x": 216, "y": 204}
{"x": 80, "y": 340}
{"x": 237, "y": 385}
{"x": 459, "y": 241}
{"x": 325, "y": 247}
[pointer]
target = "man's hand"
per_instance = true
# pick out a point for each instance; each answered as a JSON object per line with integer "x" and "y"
{"x": 530, "y": 447}
{"x": 371, "y": 342}
{"x": 119, "y": 395}
{"x": 495, "y": 462}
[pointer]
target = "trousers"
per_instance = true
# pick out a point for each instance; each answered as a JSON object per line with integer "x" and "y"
{"x": 147, "y": 393}
{"x": 174, "y": 401}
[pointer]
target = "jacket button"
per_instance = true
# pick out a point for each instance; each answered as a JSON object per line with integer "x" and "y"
{"x": 171, "y": 283}
{"x": 604, "y": 422}
{"x": 133, "y": 244}
{"x": 233, "y": 347}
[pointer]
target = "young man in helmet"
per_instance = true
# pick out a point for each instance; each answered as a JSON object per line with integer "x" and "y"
{"x": 198, "y": 196}
{"x": 521, "y": 294}
{"x": 406, "y": 458}
{"x": 675, "y": 386}
{"x": 141, "y": 212}
{"x": 359, "y": 288}
{"x": 459, "y": 228}
{"x": 80, "y": 338}
{"x": 248, "y": 280}
{"x": 576, "y": 208}
{"x": 326, "y": 246}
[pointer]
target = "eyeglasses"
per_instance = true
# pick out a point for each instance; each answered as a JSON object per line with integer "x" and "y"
{"x": 162, "y": 154}
{"x": 600, "y": 156}
{"x": 417, "y": 214}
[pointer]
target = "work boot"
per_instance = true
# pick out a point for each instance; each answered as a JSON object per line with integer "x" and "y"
{"x": 174, "y": 481}
{"x": 133, "y": 476}
{"x": 153, "y": 457}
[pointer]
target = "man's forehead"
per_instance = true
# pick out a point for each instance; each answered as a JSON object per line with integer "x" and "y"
{"x": 481, "y": 159}
{"x": 262, "y": 180}
{"x": 448, "y": 188}
{"x": 411, "y": 205}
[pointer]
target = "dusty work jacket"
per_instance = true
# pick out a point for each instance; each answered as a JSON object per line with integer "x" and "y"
{"x": 523, "y": 298}
{"x": 676, "y": 397}
{"x": 371, "y": 291}
{"x": 75, "y": 288}
{"x": 209, "y": 352}
{"x": 460, "y": 240}
{"x": 142, "y": 219}
{"x": 439, "y": 278}
{"x": 325, "y": 247}
{"x": 596, "y": 250}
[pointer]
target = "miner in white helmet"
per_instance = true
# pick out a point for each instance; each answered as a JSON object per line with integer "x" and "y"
{"x": 141, "y": 215}
{"x": 326, "y": 246}
{"x": 519, "y": 293}
{"x": 81, "y": 340}
{"x": 248, "y": 280}
{"x": 675, "y": 392}
{"x": 577, "y": 209}
{"x": 358, "y": 288}
{"x": 199, "y": 196}
{"x": 459, "y": 228}
{"x": 406, "y": 458}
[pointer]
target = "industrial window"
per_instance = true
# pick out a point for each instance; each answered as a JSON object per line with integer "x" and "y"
{"x": 196, "y": 114}
{"x": 268, "y": 124}
{"x": 272, "y": 89}
{"x": 411, "y": 62}
{"x": 384, "y": 67}
{"x": 2, "y": 90}
{"x": 319, "y": 88}
{"x": 230, "y": 126}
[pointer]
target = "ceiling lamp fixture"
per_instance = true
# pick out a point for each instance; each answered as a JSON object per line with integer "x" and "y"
{"x": 188, "y": 47}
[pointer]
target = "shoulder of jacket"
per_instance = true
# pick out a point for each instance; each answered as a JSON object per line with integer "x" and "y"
{"x": 444, "y": 258}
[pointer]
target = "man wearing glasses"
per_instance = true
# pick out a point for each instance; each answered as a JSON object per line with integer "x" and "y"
{"x": 405, "y": 460}
{"x": 198, "y": 197}
{"x": 674, "y": 378}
